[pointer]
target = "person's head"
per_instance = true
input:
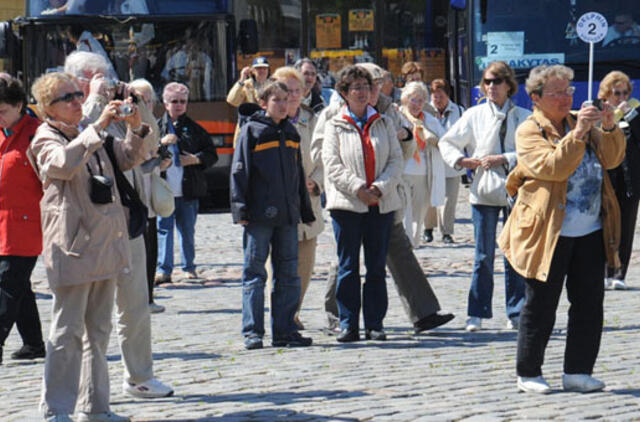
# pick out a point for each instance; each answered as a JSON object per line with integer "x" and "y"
{"x": 84, "y": 65}
{"x": 175, "y": 98}
{"x": 550, "y": 90}
{"x": 376, "y": 81}
{"x": 13, "y": 100}
{"x": 274, "y": 98}
{"x": 412, "y": 72}
{"x": 294, "y": 81}
{"x": 498, "y": 82}
{"x": 440, "y": 93}
{"x": 387, "y": 83}
{"x": 309, "y": 72}
{"x": 144, "y": 91}
{"x": 260, "y": 69}
{"x": 414, "y": 95}
{"x": 354, "y": 84}
{"x": 58, "y": 97}
{"x": 623, "y": 22}
{"x": 615, "y": 88}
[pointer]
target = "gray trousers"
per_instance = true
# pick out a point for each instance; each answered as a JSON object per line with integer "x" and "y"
{"x": 416, "y": 295}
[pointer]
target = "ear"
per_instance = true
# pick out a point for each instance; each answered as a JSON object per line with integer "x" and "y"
{"x": 535, "y": 97}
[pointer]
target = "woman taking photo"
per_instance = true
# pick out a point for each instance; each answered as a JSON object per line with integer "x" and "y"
{"x": 85, "y": 242}
{"x": 564, "y": 224}
{"x": 363, "y": 165}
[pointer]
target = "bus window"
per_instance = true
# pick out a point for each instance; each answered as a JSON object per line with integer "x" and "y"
{"x": 126, "y": 7}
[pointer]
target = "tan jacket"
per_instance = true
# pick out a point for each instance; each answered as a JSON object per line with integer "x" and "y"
{"x": 245, "y": 93}
{"x": 304, "y": 125}
{"x": 83, "y": 242}
{"x": 540, "y": 179}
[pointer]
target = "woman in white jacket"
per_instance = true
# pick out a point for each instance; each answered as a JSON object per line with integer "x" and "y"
{"x": 487, "y": 131}
{"x": 363, "y": 165}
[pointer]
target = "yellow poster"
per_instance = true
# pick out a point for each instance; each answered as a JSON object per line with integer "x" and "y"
{"x": 328, "y": 30}
{"x": 361, "y": 20}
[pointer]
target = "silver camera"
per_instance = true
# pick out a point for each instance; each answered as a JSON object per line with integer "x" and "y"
{"x": 125, "y": 110}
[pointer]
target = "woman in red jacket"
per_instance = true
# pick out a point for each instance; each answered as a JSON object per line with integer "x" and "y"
{"x": 20, "y": 232}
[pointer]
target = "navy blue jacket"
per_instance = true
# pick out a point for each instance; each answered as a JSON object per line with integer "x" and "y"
{"x": 626, "y": 177}
{"x": 267, "y": 180}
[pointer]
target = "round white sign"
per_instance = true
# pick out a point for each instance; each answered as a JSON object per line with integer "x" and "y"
{"x": 592, "y": 27}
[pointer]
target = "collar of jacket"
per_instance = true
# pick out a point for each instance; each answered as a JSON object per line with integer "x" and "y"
{"x": 549, "y": 129}
{"x": 343, "y": 119}
{"x": 260, "y": 116}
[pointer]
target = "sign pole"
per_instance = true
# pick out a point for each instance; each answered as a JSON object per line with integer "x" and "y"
{"x": 590, "y": 88}
{"x": 591, "y": 28}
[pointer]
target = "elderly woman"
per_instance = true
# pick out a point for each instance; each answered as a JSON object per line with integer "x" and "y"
{"x": 616, "y": 89}
{"x": 564, "y": 224}
{"x": 424, "y": 171}
{"x": 363, "y": 164}
{"x": 85, "y": 242}
{"x": 487, "y": 132}
{"x": 21, "y": 237}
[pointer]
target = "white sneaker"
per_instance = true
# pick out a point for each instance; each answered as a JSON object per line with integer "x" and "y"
{"x": 533, "y": 385}
{"x": 149, "y": 389}
{"x": 51, "y": 417}
{"x": 608, "y": 282}
{"x": 154, "y": 308}
{"x": 473, "y": 324}
{"x": 101, "y": 417}
{"x": 513, "y": 323}
{"x": 618, "y": 284}
{"x": 581, "y": 383}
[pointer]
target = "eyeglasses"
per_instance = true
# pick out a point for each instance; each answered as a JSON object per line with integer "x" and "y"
{"x": 417, "y": 100}
{"x": 565, "y": 93}
{"x": 620, "y": 93}
{"x": 68, "y": 97}
{"x": 178, "y": 101}
{"x": 495, "y": 81}
{"x": 360, "y": 88}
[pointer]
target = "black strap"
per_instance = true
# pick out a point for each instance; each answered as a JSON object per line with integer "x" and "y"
{"x": 503, "y": 134}
{"x": 128, "y": 194}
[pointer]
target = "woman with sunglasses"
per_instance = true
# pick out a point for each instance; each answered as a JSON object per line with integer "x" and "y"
{"x": 487, "y": 132}
{"x": 616, "y": 89}
{"x": 565, "y": 222}
{"x": 85, "y": 242}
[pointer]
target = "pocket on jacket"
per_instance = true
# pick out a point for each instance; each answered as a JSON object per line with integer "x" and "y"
{"x": 79, "y": 243}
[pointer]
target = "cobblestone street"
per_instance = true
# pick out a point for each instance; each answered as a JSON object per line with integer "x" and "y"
{"x": 447, "y": 374}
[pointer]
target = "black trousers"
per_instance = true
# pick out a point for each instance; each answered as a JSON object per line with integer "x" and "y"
{"x": 628, "y": 217}
{"x": 151, "y": 244}
{"x": 17, "y": 300}
{"x": 581, "y": 260}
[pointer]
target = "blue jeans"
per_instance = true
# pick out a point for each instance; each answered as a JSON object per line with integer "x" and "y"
{"x": 371, "y": 230}
{"x": 485, "y": 223}
{"x": 285, "y": 296}
{"x": 185, "y": 220}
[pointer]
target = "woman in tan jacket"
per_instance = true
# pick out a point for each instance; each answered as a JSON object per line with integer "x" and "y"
{"x": 565, "y": 223}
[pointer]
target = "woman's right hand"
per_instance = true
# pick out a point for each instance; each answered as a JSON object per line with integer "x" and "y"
{"x": 168, "y": 139}
{"x": 469, "y": 163}
{"x": 366, "y": 196}
{"x": 587, "y": 117}
{"x": 109, "y": 113}
{"x": 245, "y": 73}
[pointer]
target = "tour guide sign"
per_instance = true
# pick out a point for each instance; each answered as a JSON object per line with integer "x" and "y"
{"x": 592, "y": 28}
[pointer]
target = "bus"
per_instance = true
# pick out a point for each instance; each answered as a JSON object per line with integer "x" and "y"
{"x": 190, "y": 41}
{"x": 527, "y": 33}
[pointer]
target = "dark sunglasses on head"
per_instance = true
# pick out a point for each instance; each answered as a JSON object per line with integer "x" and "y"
{"x": 68, "y": 97}
{"x": 495, "y": 81}
{"x": 620, "y": 93}
{"x": 178, "y": 101}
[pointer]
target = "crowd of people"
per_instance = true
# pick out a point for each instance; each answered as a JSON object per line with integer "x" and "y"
{"x": 82, "y": 178}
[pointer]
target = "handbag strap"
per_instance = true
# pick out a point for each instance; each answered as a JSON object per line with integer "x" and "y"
{"x": 128, "y": 195}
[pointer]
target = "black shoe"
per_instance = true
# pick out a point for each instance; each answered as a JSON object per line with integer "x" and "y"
{"x": 431, "y": 322}
{"x": 377, "y": 335}
{"x": 427, "y": 236}
{"x": 348, "y": 335}
{"x": 447, "y": 239}
{"x": 29, "y": 352}
{"x": 294, "y": 339}
{"x": 253, "y": 343}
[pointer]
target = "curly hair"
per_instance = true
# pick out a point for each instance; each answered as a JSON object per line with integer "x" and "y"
{"x": 539, "y": 76}
{"x": 612, "y": 79}
{"x": 349, "y": 74}
{"x": 45, "y": 90}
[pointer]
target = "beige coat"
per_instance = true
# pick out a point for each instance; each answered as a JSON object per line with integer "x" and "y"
{"x": 304, "y": 125}
{"x": 83, "y": 242}
{"x": 245, "y": 93}
{"x": 343, "y": 160}
{"x": 531, "y": 233}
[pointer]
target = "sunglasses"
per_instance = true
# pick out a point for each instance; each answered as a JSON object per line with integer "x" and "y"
{"x": 178, "y": 101}
{"x": 495, "y": 81}
{"x": 68, "y": 97}
{"x": 620, "y": 93}
{"x": 360, "y": 88}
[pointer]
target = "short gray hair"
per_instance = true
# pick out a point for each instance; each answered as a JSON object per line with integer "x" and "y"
{"x": 413, "y": 88}
{"x": 539, "y": 76}
{"x": 78, "y": 62}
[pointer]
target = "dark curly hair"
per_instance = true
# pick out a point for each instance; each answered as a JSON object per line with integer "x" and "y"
{"x": 11, "y": 91}
{"x": 349, "y": 74}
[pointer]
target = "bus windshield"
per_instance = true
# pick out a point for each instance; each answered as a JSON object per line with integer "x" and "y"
{"x": 159, "y": 51}
{"x": 529, "y": 33}
{"x": 37, "y": 8}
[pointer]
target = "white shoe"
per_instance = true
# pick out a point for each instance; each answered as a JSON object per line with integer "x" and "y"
{"x": 533, "y": 385}
{"x": 51, "y": 417}
{"x": 608, "y": 282}
{"x": 581, "y": 383}
{"x": 513, "y": 323}
{"x": 618, "y": 284}
{"x": 101, "y": 417}
{"x": 149, "y": 389}
{"x": 154, "y": 308}
{"x": 473, "y": 324}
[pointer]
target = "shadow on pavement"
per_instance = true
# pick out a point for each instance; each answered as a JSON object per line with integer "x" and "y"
{"x": 181, "y": 356}
{"x": 212, "y": 311}
{"x": 622, "y": 328}
{"x": 264, "y": 415}
{"x": 635, "y": 392}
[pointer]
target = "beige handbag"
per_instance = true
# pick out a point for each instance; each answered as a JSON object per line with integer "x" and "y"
{"x": 162, "y": 200}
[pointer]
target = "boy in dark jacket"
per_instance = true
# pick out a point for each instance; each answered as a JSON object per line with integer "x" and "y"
{"x": 269, "y": 197}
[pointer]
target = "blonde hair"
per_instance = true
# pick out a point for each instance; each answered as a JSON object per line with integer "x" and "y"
{"x": 413, "y": 88}
{"x": 612, "y": 79}
{"x": 286, "y": 72}
{"x": 540, "y": 75}
{"x": 501, "y": 70}
{"x": 45, "y": 90}
{"x": 144, "y": 85}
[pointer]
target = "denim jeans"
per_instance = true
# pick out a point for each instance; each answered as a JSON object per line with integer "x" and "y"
{"x": 371, "y": 230}
{"x": 285, "y": 295}
{"x": 485, "y": 223}
{"x": 184, "y": 217}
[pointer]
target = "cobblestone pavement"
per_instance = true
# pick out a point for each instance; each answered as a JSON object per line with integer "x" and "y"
{"x": 446, "y": 375}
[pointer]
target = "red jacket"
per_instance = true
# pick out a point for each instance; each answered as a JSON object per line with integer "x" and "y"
{"x": 20, "y": 193}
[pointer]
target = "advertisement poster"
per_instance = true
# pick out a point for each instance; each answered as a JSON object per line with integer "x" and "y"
{"x": 328, "y": 30}
{"x": 361, "y": 20}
